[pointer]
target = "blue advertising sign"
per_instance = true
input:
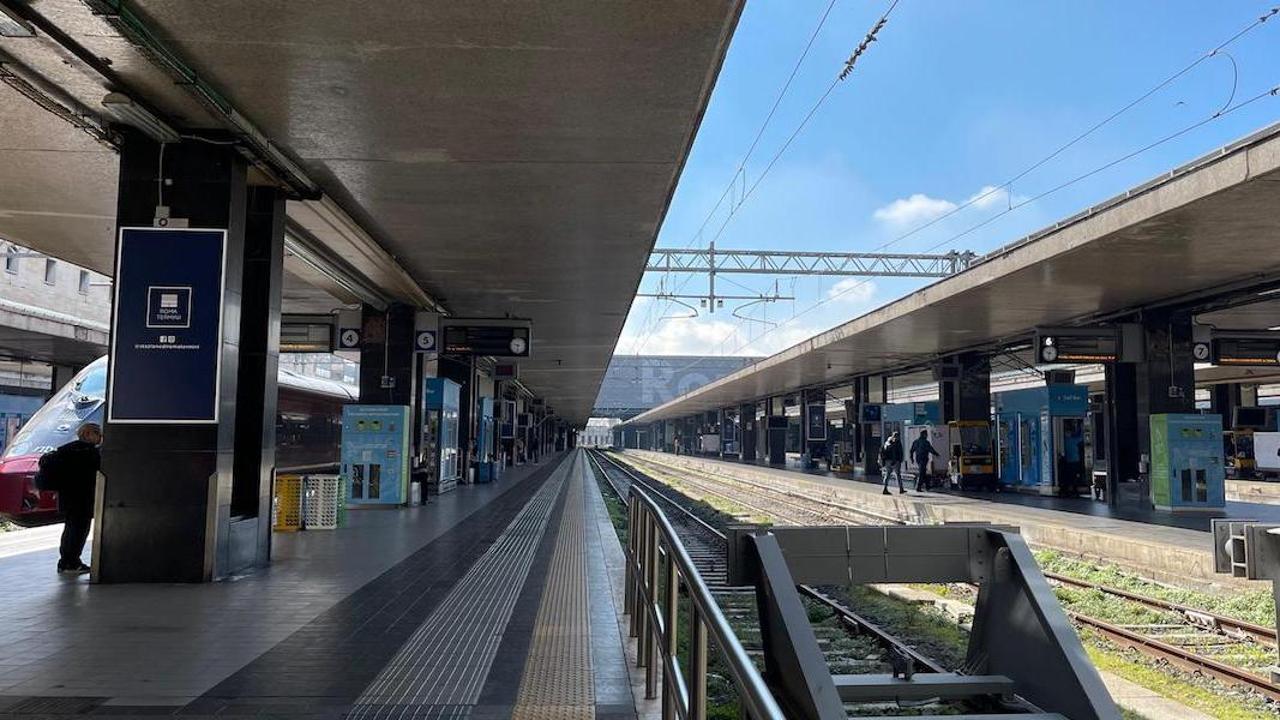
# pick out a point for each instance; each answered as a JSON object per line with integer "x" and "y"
{"x": 166, "y": 340}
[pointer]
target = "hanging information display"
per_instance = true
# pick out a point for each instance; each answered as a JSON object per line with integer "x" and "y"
{"x": 166, "y": 344}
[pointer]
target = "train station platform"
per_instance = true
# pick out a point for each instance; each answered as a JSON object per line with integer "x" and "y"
{"x": 497, "y": 600}
{"x": 1170, "y": 552}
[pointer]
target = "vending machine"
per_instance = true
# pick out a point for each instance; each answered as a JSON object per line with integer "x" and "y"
{"x": 375, "y": 453}
{"x": 1187, "y": 472}
{"x": 439, "y": 442}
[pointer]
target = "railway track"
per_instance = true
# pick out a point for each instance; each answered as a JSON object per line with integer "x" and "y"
{"x": 1176, "y": 643}
{"x": 707, "y": 545}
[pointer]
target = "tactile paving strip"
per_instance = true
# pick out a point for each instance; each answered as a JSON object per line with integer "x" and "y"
{"x": 441, "y": 669}
{"x": 558, "y": 681}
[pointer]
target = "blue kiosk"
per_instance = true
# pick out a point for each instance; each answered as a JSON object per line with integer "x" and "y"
{"x": 1040, "y": 438}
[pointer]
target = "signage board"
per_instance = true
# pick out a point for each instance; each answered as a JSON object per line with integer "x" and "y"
{"x": 506, "y": 371}
{"x": 424, "y": 341}
{"x": 349, "y": 338}
{"x": 817, "y": 422}
{"x": 511, "y": 339}
{"x": 306, "y": 335}
{"x": 1246, "y": 351}
{"x": 1077, "y": 345}
{"x": 870, "y": 413}
{"x": 166, "y": 344}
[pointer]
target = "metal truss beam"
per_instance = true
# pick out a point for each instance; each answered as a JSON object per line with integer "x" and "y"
{"x": 774, "y": 262}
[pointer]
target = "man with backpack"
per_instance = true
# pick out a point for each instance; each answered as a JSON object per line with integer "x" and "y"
{"x": 72, "y": 471}
{"x": 891, "y": 456}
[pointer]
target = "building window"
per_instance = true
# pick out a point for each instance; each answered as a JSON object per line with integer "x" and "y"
{"x": 11, "y": 260}
{"x": 50, "y": 271}
{"x": 84, "y": 282}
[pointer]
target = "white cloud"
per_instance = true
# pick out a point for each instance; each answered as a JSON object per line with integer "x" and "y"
{"x": 912, "y": 210}
{"x": 855, "y": 291}
{"x": 990, "y": 196}
{"x": 708, "y": 336}
{"x": 920, "y": 208}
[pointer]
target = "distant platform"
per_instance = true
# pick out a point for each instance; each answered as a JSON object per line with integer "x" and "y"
{"x": 1161, "y": 545}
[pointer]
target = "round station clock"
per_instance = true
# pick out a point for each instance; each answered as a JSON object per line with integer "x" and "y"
{"x": 518, "y": 345}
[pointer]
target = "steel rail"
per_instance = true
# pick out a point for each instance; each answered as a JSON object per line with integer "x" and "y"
{"x": 1154, "y": 647}
{"x": 1178, "y": 656}
{"x": 658, "y": 565}
{"x": 853, "y": 621}
{"x": 1259, "y": 633}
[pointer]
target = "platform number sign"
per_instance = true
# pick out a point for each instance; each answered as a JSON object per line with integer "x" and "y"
{"x": 166, "y": 348}
{"x": 425, "y": 341}
{"x": 348, "y": 338}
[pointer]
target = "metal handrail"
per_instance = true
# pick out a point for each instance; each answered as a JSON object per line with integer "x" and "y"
{"x": 654, "y": 549}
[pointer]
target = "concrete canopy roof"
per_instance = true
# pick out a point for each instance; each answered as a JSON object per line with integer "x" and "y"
{"x": 1211, "y": 224}
{"x": 509, "y": 158}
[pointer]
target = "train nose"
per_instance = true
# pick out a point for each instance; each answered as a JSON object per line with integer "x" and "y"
{"x": 19, "y": 498}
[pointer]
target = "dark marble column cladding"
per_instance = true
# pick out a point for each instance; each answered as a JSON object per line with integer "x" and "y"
{"x": 167, "y": 498}
{"x": 387, "y": 349}
{"x": 257, "y": 391}
{"x": 747, "y": 431}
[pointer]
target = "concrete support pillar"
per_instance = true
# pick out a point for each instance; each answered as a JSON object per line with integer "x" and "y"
{"x": 1248, "y": 396}
{"x": 188, "y": 501}
{"x": 62, "y": 374}
{"x": 387, "y": 356}
{"x": 870, "y": 391}
{"x": 256, "y": 391}
{"x": 1162, "y": 382}
{"x": 964, "y": 387}
{"x": 1224, "y": 398}
{"x": 747, "y": 431}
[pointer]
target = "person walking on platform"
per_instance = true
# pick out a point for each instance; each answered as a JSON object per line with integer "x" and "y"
{"x": 921, "y": 449}
{"x": 73, "y": 471}
{"x": 891, "y": 461}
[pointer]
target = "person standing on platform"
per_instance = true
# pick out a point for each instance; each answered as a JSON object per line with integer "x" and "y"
{"x": 921, "y": 450}
{"x": 73, "y": 470}
{"x": 891, "y": 456}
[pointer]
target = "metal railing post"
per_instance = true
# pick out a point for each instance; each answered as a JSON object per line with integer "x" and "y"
{"x": 670, "y": 628}
{"x": 697, "y": 665}
{"x": 650, "y": 644}
{"x": 655, "y": 621}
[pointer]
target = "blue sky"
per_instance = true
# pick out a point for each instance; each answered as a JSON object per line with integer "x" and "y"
{"x": 955, "y": 97}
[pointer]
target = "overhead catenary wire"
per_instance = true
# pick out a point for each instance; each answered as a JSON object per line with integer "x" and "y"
{"x": 740, "y": 170}
{"x": 1219, "y": 49}
{"x": 1273, "y": 92}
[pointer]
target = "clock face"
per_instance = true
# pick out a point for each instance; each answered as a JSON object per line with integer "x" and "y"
{"x": 1049, "y": 353}
{"x": 1200, "y": 351}
{"x": 518, "y": 346}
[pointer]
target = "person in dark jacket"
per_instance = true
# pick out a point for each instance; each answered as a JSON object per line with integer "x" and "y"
{"x": 921, "y": 450}
{"x": 76, "y": 467}
{"x": 891, "y": 461}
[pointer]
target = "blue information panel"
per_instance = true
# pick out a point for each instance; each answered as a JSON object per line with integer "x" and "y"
{"x": 166, "y": 341}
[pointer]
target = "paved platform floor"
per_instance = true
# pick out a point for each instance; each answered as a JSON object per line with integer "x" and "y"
{"x": 496, "y": 601}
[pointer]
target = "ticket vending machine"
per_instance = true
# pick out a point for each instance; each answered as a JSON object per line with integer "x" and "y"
{"x": 1187, "y": 472}
{"x": 486, "y": 450}
{"x": 375, "y": 453}
{"x": 441, "y": 408}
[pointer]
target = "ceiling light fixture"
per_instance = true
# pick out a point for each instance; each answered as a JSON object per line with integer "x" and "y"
{"x": 131, "y": 113}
